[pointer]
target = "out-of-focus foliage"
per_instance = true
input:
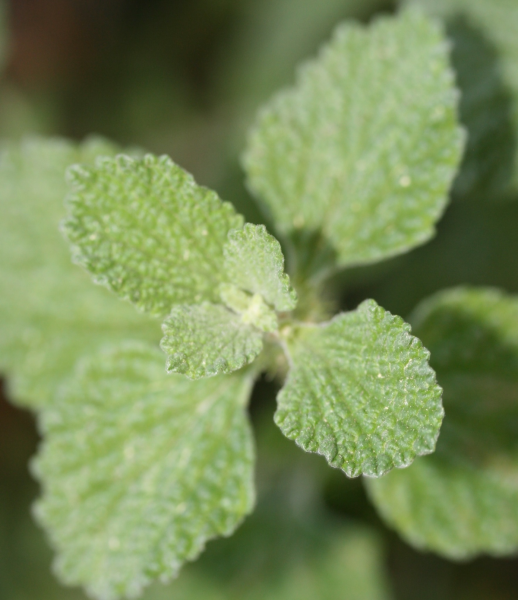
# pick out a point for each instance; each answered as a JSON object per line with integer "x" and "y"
{"x": 139, "y": 469}
{"x": 485, "y": 56}
{"x": 50, "y": 313}
{"x": 463, "y": 500}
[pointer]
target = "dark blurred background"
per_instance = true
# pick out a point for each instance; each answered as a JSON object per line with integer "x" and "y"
{"x": 185, "y": 77}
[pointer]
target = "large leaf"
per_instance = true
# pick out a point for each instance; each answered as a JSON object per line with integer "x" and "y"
{"x": 208, "y": 339}
{"x": 148, "y": 232}
{"x": 361, "y": 393}
{"x": 139, "y": 469}
{"x": 364, "y": 148}
{"x": 485, "y": 56}
{"x": 50, "y": 313}
{"x": 463, "y": 500}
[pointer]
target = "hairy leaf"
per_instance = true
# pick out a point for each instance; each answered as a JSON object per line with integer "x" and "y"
{"x": 50, "y": 313}
{"x": 364, "y": 148}
{"x": 254, "y": 262}
{"x": 148, "y": 232}
{"x": 139, "y": 469}
{"x": 485, "y": 56}
{"x": 361, "y": 393}
{"x": 208, "y": 339}
{"x": 463, "y": 500}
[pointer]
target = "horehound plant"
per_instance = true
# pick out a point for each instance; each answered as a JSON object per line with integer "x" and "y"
{"x": 148, "y": 452}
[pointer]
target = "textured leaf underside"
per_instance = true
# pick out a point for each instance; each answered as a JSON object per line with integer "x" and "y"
{"x": 364, "y": 148}
{"x": 146, "y": 230}
{"x": 254, "y": 262}
{"x": 50, "y": 313}
{"x": 139, "y": 469}
{"x": 361, "y": 393}
{"x": 463, "y": 500}
{"x": 208, "y": 339}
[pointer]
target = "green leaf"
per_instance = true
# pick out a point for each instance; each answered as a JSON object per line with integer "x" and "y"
{"x": 305, "y": 561}
{"x": 148, "y": 232}
{"x": 364, "y": 148}
{"x": 361, "y": 393}
{"x": 485, "y": 56}
{"x": 139, "y": 469}
{"x": 463, "y": 500}
{"x": 254, "y": 262}
{"x": 50, "y": 313}
{"x": 208, "y": 339}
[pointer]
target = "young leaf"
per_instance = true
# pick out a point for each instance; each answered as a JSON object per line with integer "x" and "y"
{"x": 148, "y": 232}
{"x": 140, "y": 469}
{"x": 485, "y": 56}
{"x": 361, "y": 393}
{"x": 254, "y": 262}
{"x": 463, "y": 500}
{"x": 50, "y": 313}
{"x": 364, "y": 148}
{"x": 208, "y": 339}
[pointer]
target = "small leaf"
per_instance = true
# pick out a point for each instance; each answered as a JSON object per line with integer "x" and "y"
{"x": 140, "y": 469}
{"x": 50, "y": 313}
{"x": 254, "y": 262}
{"x": 361, "y": 393}
{"x": 208, "y": 339}
{"x": 148, "y": 232}
{"x": 364, "y": 148}
{"x": 463, "y": 500}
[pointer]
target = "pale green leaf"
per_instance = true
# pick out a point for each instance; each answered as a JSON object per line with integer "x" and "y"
{"x": 360, "y": 392}
{"x": 139, "y": 469}
{"x": 252, "y": 309}
{"x": 146, "y": 230}
{"x": 485, "y": 56}
{"x": 208, "y": 339}
{"x": 364, "y": 148}
{"x": 50, "y": 313}
{"x": 463, "y": 500}
{"x": 254, "y": 262}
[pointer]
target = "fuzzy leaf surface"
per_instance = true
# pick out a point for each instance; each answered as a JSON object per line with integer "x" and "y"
{"x": 254, "y": 262}
{"x": 206, "y": 339}
{"x": 361, "y": 393}
{"x": 145, "y": 229}
{"x": 485, "y": 56}
{"x": 365, "y": 146}
{"x": 139, "y": 469}
{"x": 463, "y": 500}
{"x": 50, "y": 313}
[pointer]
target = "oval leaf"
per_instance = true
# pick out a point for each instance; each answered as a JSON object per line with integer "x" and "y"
{"x": 361, "y": 393}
